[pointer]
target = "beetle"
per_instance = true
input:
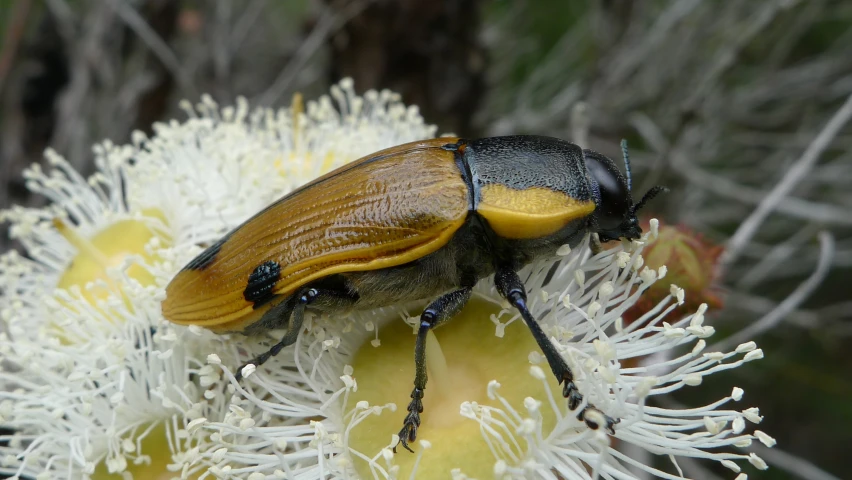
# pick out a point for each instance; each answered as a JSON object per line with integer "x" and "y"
{"x": 423, "y": 220}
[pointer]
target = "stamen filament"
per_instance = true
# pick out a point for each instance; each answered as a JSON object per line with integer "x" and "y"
{"x": 82, "y": 244}
{"x": 296, "y": 110}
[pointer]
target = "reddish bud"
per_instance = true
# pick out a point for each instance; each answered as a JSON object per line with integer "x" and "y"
{"x": 690, "y": 261}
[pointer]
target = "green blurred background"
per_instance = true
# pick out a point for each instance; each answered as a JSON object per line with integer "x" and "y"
{"x": 722, "y": 101}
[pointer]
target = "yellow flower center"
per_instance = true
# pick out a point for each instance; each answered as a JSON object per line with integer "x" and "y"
{"x": 155, "y": 454}
{"x": 472, "y": 356}
{"x": 107, "y": 249}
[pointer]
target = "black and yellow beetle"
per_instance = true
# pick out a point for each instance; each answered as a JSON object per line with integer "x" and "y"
{"x": 424, "y": 220}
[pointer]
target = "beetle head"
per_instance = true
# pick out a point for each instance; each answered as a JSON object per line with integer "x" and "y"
{"x": 615, "y": 212}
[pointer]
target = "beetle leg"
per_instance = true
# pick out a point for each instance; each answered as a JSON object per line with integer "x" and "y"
{"x": 294, "y": 309}
{"x": 435, "y": 314}
{"x": 595, "y": 244}
{"x": 512, "y": 289}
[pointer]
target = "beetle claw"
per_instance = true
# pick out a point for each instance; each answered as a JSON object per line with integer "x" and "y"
{"x": 593, "y": 417}
{"x": 407, "y": 434}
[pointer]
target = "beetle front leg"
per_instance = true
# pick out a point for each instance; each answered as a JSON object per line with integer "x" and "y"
{"x": 435, "y": 314}
{"x": 294, "y": 308}
{"x": 512, "y": 289}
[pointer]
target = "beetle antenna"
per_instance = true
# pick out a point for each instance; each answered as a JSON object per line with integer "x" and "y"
{"x": 653, "y": 192}
{"x": 626, "y": 164}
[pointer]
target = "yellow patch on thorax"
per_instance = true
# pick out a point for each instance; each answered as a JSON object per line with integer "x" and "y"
{"x": 529, "y": 213}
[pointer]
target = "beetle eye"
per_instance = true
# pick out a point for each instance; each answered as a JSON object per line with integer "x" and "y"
{"x": 613, "y": 196}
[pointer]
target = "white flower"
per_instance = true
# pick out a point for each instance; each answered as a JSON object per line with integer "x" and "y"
{"x": 91, "y": 370}
{"x": 96, "y": 381}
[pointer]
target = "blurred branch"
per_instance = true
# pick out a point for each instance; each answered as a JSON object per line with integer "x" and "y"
{"x": 839, "y": 310}
{"x": 794, "y": 175}
{"x": 71, "y": 136}
{"x": 753, "y": 304}
{"x": 799, "y": 295}
{"x": 244, "y": 24}
{"x": 621, "y": 68}
{"x": 727, "y": 57}
{"x": 777, "y": 255}
{"x": 14, "y": 31}
{"x": 823, "y": 317}
{"x": 158, "y": 47}
{"x": 331, "y": 20}
{"x": 724, "y": 186}
{"x": 695, "y": 469}
{"x": 580, "y": 124}
{"x": 64, "y": 18}
{"x": 792, "y": 464}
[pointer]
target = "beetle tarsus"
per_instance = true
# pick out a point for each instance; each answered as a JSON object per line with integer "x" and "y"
{"x": 408, "y": 433}
{"x": 590, "y": 415}
{"x": 570, "y": 391}
{"x": 512, "y": 289}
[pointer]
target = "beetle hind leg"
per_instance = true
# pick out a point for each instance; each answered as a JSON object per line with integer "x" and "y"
{"x": 435, "y": 314}
{"x": 294, "y": 309}
{"x": 512, "y": 289}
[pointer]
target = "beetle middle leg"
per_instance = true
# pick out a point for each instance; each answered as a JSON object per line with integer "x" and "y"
{"x": 294, "y": 309}
{"x": 512, "y": 289}
{"x": 435, "y": 314}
